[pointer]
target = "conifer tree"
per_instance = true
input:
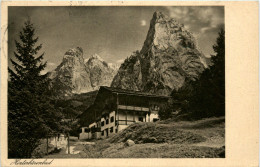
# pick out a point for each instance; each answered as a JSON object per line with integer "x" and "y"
{"x": 205, "y": 97}
{"x": 209, "y": 91}
{"x": 31, "y": 115}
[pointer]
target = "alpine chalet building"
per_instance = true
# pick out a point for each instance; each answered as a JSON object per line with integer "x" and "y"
{"x": 115, "y": 109}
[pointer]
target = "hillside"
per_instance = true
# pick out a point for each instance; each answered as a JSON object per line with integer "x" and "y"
{"x": 76, "y": 104}
{"x": 164, "y": 139}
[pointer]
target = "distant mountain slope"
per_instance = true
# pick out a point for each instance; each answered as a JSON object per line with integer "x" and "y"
{"x": 101, "y": 73}
{"x": 71, "y": 76}
{"x": 167, "y": 59}
{"x": 75, "y": 105}
{"x": 74, "y": 75}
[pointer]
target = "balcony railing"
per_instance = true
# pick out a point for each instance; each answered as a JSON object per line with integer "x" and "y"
{"x": 125, "y": 122}
{"x": 124, "y": 107}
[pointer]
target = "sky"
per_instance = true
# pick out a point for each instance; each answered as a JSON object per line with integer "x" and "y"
{"x": 114, "y": 33}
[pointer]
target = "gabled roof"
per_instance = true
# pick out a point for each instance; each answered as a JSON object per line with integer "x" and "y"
{"x": 131, "y": 92}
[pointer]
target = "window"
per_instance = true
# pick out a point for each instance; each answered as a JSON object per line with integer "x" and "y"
{"x": 102, "y": 123}
{"x": 102, "y": 133}
{"x": 112, "y": 119}
{"x": 111, "y": 130}
{"x": 116, "y": 130}
{"x": 86, "y": 130}
{"x": 155, "y": 119}
{"x": 107, "y": 121}
{"x": 155, "y": 107}
{"x": 141, "y": 119}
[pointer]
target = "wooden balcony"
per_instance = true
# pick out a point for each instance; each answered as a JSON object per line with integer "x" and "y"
{"x": 134, "y": 108}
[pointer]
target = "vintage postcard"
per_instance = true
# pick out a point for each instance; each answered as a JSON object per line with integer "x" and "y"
{"x": 114, "y": 83}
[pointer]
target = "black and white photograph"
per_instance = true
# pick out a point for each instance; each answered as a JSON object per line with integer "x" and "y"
{"x": 116, "y": 82}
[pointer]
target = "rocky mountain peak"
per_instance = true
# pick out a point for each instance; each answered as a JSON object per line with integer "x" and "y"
{"x": 101, "y": 73}
{"x": 167, "y": 59}
{"x": 159, "y": 15}
{"x": 78, "y": 52}
{"x": 166, "y": 32}
{"x": 96, "y": 57}
{"x": 96, "y": 60}
{"x": 73, "y": 57}
{"x": 76, "y": 75}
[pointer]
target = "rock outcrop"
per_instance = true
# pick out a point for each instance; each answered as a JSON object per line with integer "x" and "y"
{"x": 129, "y": 143}
{"x": 167, "y": 59}
{"x": 74, "y": 75}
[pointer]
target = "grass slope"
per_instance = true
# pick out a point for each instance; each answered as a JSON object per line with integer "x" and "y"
{"x": 165, "y": 139}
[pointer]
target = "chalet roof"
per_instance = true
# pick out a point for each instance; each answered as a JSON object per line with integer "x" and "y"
{"x": 131, "y": 92}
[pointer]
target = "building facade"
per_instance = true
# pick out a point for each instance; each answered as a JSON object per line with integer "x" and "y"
{"x": 115, "y": 109}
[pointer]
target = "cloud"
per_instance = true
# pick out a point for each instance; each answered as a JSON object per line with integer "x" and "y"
{"x": 143, "y": 23}
{"x": 198, "y": 19}
{"x": 120, "y": 61}
{"x": 187, "y": 26}
{"x": 178, "y": 12}
{"x": 204, "y": 22}
{"x": 205, "y": 29}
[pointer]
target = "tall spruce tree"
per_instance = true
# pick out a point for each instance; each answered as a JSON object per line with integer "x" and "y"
{"x": 31, "y": 115}
{"x": 209, "y": 91}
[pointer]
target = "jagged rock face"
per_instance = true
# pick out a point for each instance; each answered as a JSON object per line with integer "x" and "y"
{"x": 129, "y": 75}
{"x": 74, "y": 75}
{"x": 101, "y": 73}
{"x": 168, "y": 58}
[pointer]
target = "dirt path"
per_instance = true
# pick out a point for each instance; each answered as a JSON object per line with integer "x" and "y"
{"x": 76, "y": 150}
